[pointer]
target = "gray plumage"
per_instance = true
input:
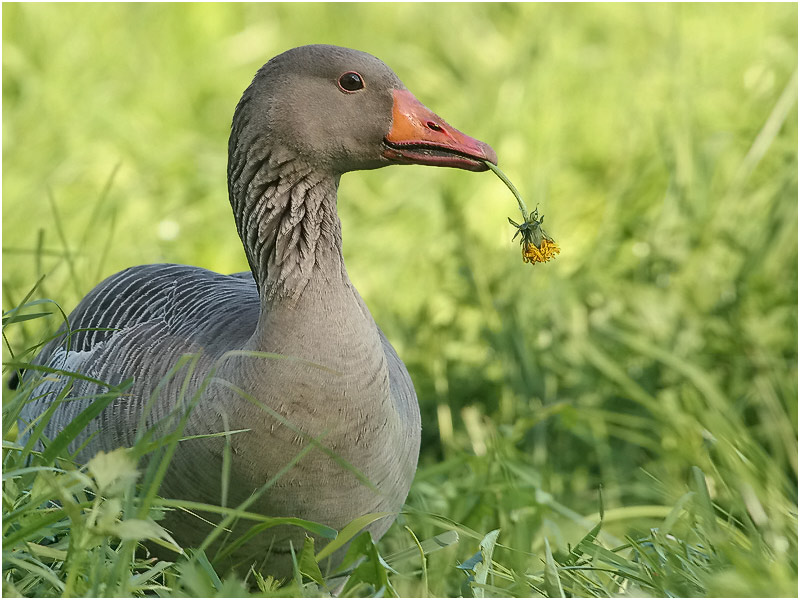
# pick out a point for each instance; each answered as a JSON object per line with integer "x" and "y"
{"x": 294, "y": 133}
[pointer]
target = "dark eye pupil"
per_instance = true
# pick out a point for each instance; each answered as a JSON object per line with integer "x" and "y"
{"x": 351, "y": 82}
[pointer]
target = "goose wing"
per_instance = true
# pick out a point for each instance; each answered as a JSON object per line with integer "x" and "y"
{"x": 138, "y": 323}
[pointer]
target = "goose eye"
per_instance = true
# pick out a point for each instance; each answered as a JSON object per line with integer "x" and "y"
{"x": 351, "y": 82}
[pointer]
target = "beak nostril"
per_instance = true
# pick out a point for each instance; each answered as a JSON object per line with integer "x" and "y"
{"x": 434, "y": 126}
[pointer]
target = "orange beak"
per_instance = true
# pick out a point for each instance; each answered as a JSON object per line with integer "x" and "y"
{"x": 420, "y": 136}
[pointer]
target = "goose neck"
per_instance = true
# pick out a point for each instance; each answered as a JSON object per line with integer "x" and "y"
{"x": 285, "y": 212}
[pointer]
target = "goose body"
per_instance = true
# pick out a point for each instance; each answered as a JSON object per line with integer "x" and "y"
{"x": 288, "y": 352}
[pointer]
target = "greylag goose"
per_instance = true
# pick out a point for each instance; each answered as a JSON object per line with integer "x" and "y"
{"x": 297, "y": 358}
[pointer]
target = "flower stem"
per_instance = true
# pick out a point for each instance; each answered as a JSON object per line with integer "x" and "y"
{"x": 523, "y": 209}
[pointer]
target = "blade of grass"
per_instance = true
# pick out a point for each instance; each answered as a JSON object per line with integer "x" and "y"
{"x": 552, "y": 582}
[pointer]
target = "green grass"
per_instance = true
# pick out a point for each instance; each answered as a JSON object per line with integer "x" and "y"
{"x": 655, "y": 357}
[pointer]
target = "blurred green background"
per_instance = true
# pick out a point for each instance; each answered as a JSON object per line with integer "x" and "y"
{"x": 660, "y": 141}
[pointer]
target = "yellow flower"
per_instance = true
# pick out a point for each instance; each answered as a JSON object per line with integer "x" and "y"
{"x": 537, "y": 246}
{"x": 546, "y": 251}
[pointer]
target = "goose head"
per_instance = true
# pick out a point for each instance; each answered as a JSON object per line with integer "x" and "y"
{"x": 338, "y": 110}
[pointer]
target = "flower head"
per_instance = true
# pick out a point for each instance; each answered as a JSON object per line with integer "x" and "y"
{"x": 537, "y": 246}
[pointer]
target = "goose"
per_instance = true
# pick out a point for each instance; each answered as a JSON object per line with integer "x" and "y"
{"x": 296, "y": 357}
